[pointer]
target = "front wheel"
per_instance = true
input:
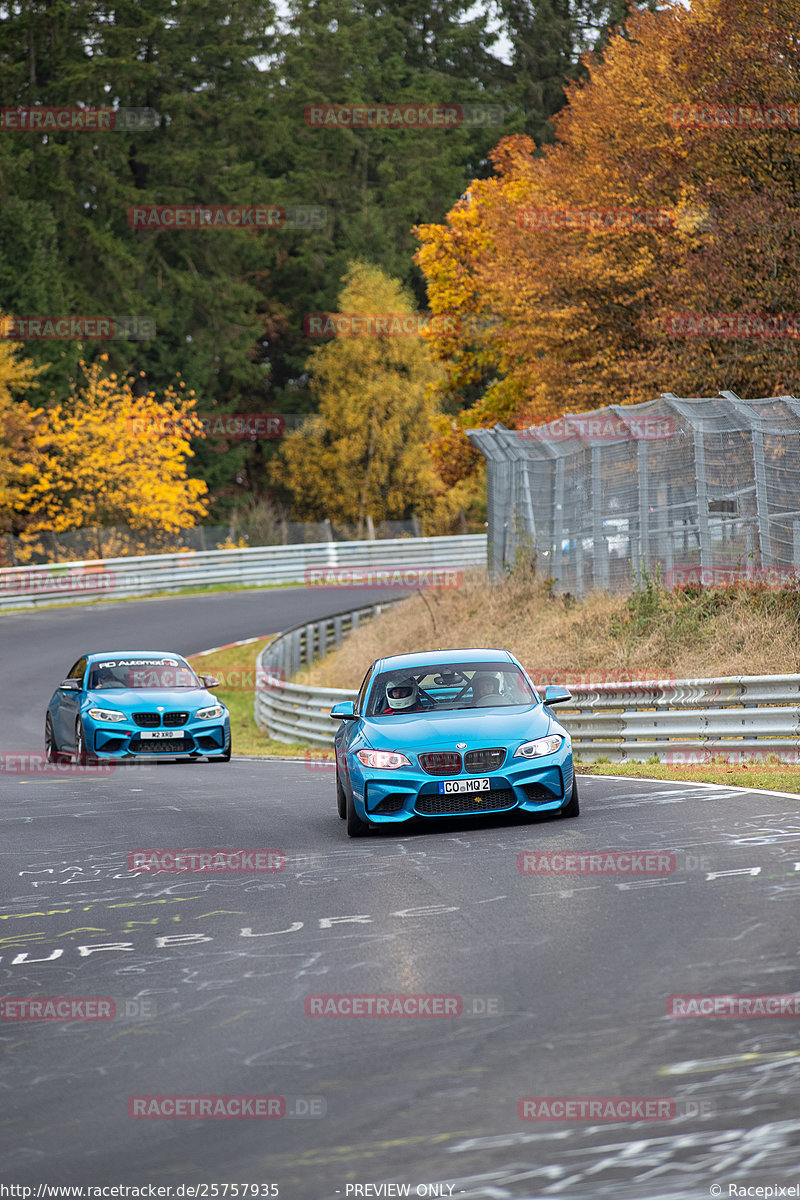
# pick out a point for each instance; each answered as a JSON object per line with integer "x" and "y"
{"x": 51, "y": 750}
{"x": 82, "y": 755}
{"x": 355, "y": 826}
{"x": 573, "y": 808}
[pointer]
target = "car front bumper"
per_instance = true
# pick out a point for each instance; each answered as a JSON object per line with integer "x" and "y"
{"x": 531, "y": 785}
{"x": 124, "y": 740}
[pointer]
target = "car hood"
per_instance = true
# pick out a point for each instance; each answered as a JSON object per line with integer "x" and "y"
{"x": 142, "y": 700}
{"x": 441, "y": 731}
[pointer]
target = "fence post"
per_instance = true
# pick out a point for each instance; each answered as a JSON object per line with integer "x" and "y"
{"x": 644, "y": 505}
{"x": 702, "y": 498}
{"x": 762, "y": 502}
{"x": 601, "y": 564}
{"x": 558, "y": 519}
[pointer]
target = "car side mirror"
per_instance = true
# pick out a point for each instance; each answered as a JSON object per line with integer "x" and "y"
{"x": 556, "y": 695}
{"x": 209, "y": 681}
{"x": 70, "y": 685}
{"x": 346, "y": 711}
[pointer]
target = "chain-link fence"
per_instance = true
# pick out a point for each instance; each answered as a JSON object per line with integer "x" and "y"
{"x": 119, "y": 541}
{"x": 701, "y": 489}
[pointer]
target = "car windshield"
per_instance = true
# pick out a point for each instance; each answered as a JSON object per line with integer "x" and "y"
{"x": 444, "y": 688}
{"x": 142, "y": 673}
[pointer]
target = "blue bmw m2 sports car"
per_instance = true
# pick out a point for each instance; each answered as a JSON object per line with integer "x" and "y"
{"x": 128, "y": 704}
{"x": 450, "y": 733}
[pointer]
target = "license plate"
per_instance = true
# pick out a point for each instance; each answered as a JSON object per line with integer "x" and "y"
{"x": 161, "y": 733}
{"x": 448, "y": 786}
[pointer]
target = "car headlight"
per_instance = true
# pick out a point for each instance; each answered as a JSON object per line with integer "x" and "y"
{"x": 208, "y": 714}
{"x": 535, "y": 749}
{"x": 106, "y": 714}
{"x": 383, "y": 760}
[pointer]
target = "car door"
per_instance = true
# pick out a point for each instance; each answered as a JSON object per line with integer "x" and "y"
{"x": 68, "y": 707}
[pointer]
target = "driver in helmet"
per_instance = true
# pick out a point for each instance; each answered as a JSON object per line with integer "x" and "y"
{"x": 485, "y": 688}
{"x": 403, "y": 696}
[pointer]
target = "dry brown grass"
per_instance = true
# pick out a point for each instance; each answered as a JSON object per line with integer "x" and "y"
{"x": 656, "y": 635}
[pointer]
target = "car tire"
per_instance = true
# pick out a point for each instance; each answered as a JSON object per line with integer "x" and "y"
{"x": 573, "y": 808}
{"x": 341, "y": 799}
{"x": 82, "y": 755}
{"x": 51, "y": 750}
{"x": 355, "y": 826}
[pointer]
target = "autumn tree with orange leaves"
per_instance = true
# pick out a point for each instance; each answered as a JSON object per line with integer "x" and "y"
{"x": 670, "y": 190}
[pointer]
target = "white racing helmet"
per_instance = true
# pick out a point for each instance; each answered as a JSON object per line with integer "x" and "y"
{"x": 485, "y": 683}
{"x": 402, "y": 694}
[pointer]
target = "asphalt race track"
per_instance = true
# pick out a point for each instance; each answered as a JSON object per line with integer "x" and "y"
{"x": 563, "y": 981}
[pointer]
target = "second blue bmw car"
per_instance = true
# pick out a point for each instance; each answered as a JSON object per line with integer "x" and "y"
{"x": 450, "y": 733}
{"x": 128, "y": 704}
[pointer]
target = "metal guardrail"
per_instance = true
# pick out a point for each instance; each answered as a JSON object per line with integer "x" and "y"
{"x": 685, "y": 719}
{"x": 290, "y": 712}
{"x": 674, "y": 720}
{"x": 255, "y": 566}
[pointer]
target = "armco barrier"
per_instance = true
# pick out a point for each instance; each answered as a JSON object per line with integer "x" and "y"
{"x": 737, "y": 716}
{"x": 254, "y": 566}
{"x": 740, "y": 715}
{"x": 289, "y": 712}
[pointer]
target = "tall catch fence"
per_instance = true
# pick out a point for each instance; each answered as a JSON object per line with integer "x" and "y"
{"x": 702, "y": 489}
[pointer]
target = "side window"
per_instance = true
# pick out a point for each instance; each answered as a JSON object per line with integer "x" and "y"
{"x": 79, "y": 670}
{"x": 362, "y": 691}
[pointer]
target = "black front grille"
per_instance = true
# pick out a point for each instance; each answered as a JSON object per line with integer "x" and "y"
{"x": 391, "y": 804}
{"x": 434, "y": 806}
{"x": 172, "y": 720}
{"x": 441, "y": 762}
{"x": 484, "y": 760}
{"x": 537, "y": 791}
{"x": 147, "y": 720}
{"x": 162, "y": 746}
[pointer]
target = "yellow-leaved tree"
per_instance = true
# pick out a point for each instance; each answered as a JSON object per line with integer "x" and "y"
{"x": 109, "y": 456}
{"x": 363, "y": 454}
{"x": 17, "y": 419}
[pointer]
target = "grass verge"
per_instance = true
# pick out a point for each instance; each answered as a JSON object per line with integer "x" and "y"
{"x": 235, "y": 667}
{"x": 768, "y": 776}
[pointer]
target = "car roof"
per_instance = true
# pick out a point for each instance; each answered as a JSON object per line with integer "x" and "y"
{"x": 424, "y": 658}
{"x": 133, "y": 654}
